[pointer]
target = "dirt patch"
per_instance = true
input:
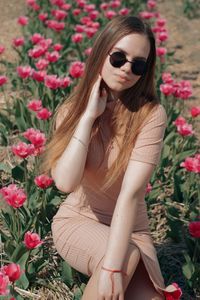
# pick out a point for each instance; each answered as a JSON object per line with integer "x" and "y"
{"x": 184, "y": 39}
{"x": 9, "y": 29}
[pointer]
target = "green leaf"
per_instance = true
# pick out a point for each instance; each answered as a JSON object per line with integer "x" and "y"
{"x": 181, "y": 156}
{"x": 18, "y": 253}
{"x": 67, "y": 274}
{"x": 18, "y": 172}
{"x": 188, "y": 268}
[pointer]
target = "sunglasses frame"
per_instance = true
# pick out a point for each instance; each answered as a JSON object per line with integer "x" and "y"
{"x": 126, "y": 60}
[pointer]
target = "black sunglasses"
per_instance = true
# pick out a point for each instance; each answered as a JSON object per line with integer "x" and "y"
{"x": 118, "y": 59}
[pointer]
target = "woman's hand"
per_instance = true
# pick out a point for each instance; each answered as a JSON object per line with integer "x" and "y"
{"x": 105, "y": 286}
{"x": 96, "y": 103}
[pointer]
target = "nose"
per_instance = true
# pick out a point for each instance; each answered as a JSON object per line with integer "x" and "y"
{"x": 126, "y": 67}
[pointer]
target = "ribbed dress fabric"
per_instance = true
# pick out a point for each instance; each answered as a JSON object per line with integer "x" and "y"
{"x": 81, "y": 225}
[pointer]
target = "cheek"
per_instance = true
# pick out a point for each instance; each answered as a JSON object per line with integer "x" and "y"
{"x": 106, "y": 71}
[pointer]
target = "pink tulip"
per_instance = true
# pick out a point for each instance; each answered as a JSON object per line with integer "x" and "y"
{"x": 22, "y": 149}
{"x": 180, "y": 121}
{"x": 35, "y": 105}
{"x": 76, "y": 69}
{"x": 66, "y": 6}
{"x": 32, "y": 240}
{"x": 76, "y": 11}
{"x": 64, "y": 82}
{"x": 43, "y": 16}
{"x": 36, "y": 38}
{"x": 39, "y": 75}
{"x": 81, "y": 3}
{"x": 175, "y": 294}
{"x": 13, "y": 195}
{"x": 35, "y": 136}
{"x": 185, "y": 129}
{"x": 4, "y": 282}
{"x": 195, "y": 111}
{"x": 30, "y": 2}
{"x": 89, "y": 7}
{"x": 115, "y": 4}
{"x": 88, "y": 51}
{"x": 148, "y": 188}
{"x": 124, "y": 11}
{"x": 57, "y": 47}
{"x": 13, "y": 271}
{"x": 24, "y": 71}
{"x": 151, "y": 4}
{"x": 161, "y": 51}
{"x": 59, "y": 14}
{"x": 109, "y": 14}
{"x": 79, "y": 28}
{"x": 167, "y": 77}
{"x": 90, "y": 32}
{"x": 77, "y": 38}
{"x": 191, "y": 164}
{"x": 45, "y": 43}
{"x": 42, "y": 64}
{"x": 43, "y": 181}
{"x": 94, "y": 15}
{"x": 58, "y": 3}
{"x": 162, "y": 36}
{"x": 86, "y": 21}
{"x": 22, "y": 20}
{"x": 167, "y": 89}
{"x": 185, "y": 91}
{"x": 51, "y": 81}
{"x": 160, "y": 22}
{"x": 37, "y": 51}
{"x": 194, "y": 229}
{"x": 52, "y": 56}
{"x": 2, "y": 49}
{"x": 146, "y": 15}
{"x": 18, "y": 41}
{"x": 3, "y": 80}
{"x": 55, "y": 25}
{"x": 104, "y": 6}
{"x": 43, "y": 114}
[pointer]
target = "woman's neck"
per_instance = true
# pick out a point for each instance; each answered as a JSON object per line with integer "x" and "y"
{"x": 112, "y": 96}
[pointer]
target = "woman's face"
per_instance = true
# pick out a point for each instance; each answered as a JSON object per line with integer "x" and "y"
{"x": 134, "y": 46}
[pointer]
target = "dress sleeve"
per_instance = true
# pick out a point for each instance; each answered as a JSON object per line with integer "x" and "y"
{"x": 149, "y": 142}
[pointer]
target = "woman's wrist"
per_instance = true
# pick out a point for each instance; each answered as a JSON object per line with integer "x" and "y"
{"x": 114, "y": 270}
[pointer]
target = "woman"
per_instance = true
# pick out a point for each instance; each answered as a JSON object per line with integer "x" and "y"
{"x": 106, "y": 144}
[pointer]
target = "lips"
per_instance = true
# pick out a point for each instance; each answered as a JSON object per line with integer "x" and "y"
{"x": 123, "y": 78}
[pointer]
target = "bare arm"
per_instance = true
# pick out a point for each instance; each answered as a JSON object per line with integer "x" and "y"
{"x": 125, "y": 212}
{"x": 69, "y": 169}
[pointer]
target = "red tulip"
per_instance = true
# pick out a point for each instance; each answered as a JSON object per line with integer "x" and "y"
{"x": 43, "y": 181}
{"x": 13, "y": 271}
{"x": 32, "y": 240}
{"x": 194, "y": 229}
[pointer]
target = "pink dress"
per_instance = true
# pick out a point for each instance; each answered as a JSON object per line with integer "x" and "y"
{"x": 81, "y": 226}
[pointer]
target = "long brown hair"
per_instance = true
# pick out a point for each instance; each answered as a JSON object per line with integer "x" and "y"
{"x": 135, "y": 105}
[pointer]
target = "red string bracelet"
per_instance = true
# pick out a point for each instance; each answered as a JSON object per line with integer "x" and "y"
{"x": 111, "y": 275}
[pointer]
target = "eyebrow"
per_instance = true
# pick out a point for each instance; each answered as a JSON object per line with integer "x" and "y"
{"x": 140, "y": 57}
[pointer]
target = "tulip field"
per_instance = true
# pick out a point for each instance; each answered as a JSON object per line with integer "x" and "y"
{"x": 56, "y": 39}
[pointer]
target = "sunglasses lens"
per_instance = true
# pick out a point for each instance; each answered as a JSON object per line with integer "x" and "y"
{"x": 139, "y": 67}
{"x": 117, "y": 59}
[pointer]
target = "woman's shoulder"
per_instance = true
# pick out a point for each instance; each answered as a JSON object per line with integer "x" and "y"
{"x": 159, "y": 113}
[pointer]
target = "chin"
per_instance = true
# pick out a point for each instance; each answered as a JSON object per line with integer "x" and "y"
{"x": 117, "y": 86}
